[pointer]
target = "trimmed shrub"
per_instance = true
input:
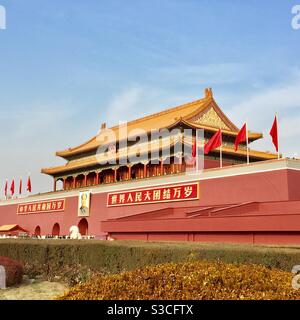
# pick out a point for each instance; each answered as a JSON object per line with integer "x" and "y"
{"x": 51, "y": 258}
{"x": 13, "y": 270}
{"x": 201, "y": 280}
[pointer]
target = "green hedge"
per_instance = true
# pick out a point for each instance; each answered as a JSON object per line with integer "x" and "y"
{"x": 54, "y": 256}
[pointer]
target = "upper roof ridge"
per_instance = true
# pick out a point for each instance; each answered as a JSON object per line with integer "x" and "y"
{"x": 166, "y": 111}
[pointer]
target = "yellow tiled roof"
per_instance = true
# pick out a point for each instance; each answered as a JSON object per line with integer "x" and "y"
{"x": 157, "y": 121}
{"x": 161, "y": 120}
{"x": 190, "y": 114}
{"x": 9, "y": 227}
{"x": 93, "y": 160}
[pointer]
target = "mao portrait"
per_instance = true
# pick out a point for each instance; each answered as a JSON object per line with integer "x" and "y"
{"x": 84, "y": 204}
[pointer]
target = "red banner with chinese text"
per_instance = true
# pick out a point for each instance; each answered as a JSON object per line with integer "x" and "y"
{"x": 41, "y": 207}
{"x": 184, "y": 192}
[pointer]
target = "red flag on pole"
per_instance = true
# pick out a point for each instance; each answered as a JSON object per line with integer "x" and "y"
{"x": 214, "y": 143}
{"x": 20, "y": 187}
{"x": 241, "y": 137}
{"x": 194, "y": 149}
{"x": 12, "y": 187}
{"x": 274, "y": 133}
{"x": 6, "y": 188}
{"x": 29, "y": 184}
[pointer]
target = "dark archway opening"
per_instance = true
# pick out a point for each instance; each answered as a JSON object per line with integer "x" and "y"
{"x": 83, "y": 227}
{"x": 37, "y": 231}
{"x": 56, "y": 230}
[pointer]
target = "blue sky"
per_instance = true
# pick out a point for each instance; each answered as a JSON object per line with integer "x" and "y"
{"x": 67, "y": 66}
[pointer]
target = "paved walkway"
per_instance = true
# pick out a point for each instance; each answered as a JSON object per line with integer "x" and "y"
{"x": 38, "y": 290}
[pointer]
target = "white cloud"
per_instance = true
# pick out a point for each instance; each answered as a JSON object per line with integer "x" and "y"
{"x": 122, "y": 105}
{"x": 206, "y": 74}
{"x": 259, "y": 109}
{"x": 138, "y": 101}
{"x": 29, "y": 139}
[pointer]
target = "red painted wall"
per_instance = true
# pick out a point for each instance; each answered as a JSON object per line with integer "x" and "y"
{"x": 283, "y": 238}
{"x": 274, "y": 185}
{"x": 211, "y": 163}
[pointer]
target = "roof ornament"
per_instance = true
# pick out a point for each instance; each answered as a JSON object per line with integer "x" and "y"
{"x": 103, "y": 126}
{"x": 208, "y": 93}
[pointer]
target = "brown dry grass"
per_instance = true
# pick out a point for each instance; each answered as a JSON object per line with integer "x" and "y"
{"x": 200, "y": 280}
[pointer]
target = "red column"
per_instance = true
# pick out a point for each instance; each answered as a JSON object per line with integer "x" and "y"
{"x": 97, "y": 178}
{"x": 74, "y": 182}
{"x": 129, "y": 173}
{"x": 151, "y": 170}
{"x": 172, "y": 168}
{"x": 54, "y": 185}
{"x": 115, "y": 176}
{"x": 85, "y": 180}
{"x": 145, "y": 170}
{"x": 64, "y": 184}
{"x": 162, "y": 167}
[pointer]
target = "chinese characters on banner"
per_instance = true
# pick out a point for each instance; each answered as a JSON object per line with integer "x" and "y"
{"x": 41, "y": 207}
{"x": 182, "y": 192}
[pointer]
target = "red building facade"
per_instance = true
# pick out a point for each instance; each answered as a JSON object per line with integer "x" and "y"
{"x": 254, "y": 203}
{"x": 258, "y": 203}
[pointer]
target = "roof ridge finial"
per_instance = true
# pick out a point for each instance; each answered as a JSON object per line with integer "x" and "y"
{"x": 208, "y": 93}
{"x": 103, "y": 126}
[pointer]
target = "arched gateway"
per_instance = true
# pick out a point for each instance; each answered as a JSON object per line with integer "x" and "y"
{"x": 83, "y": 227}
{"x": 37, "y": 231}
{"x": 56, "y": 230}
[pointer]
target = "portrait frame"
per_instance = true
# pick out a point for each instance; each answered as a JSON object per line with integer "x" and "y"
{"x": 84, "y": 201}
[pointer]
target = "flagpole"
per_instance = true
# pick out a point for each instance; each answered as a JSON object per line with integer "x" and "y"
{"x": 247, "y": 142}
{"x": 278, "y": 154}
{"x": 12, "y": 185}
{"x": 6, "y": 188}
{"x": 197, "y": 164}
{"x": 221, "y": 156}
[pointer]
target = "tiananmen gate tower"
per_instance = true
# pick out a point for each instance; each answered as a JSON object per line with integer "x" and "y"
{"x": 158, "y": 195}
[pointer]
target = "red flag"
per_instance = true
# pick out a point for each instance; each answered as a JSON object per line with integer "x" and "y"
{"x": 29, "y": 184}
{"x": 214, "y": 142}
{"x": 194, "y": 149}
{"x": 241, "y": 137}
{"x": 20, "y": 186}
{"x": 5, "y": 188}
{"x": 12, "y": 187}
{"x": 274, "y": 133}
